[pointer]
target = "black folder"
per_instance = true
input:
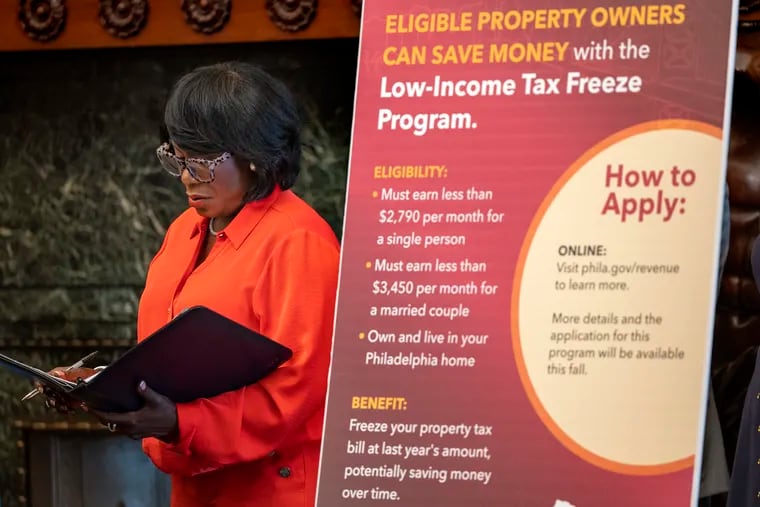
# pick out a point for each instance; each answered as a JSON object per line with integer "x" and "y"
{"x": 199, "y": 354}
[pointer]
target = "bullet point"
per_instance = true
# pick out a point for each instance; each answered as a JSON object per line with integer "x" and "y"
{"x": 374, "y": 194}
{"x": 361, "y": 336}
{"x": 368, "y": 265}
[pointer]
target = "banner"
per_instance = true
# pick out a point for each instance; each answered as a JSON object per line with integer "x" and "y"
{"x": 530, "y": 254}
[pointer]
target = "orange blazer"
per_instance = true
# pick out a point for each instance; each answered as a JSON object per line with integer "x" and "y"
{"x": 274, "y": 268}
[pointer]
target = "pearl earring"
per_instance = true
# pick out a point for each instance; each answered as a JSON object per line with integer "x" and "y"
{"x": 252, "y": 166}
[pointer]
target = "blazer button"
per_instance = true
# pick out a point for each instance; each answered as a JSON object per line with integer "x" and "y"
{"x": 285, "y": 472}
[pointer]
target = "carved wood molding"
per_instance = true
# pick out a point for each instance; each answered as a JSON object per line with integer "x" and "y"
{"x": 123, "y": 18}
{"x": 37, "y": 425}
{"x": 42, "y": 20}
{"x": 64, "y": 24}
{"x": 67, "y": 343}
{"x": 207, "y": 16}
{"x": 292, "y": 15}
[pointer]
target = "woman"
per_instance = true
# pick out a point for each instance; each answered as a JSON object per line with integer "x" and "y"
{"x": 250, "y": 249}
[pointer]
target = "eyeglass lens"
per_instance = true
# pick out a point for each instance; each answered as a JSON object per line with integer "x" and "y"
{"x": 174, "y": 165}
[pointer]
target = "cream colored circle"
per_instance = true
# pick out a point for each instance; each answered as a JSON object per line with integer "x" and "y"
{"x": 629, "y": 411}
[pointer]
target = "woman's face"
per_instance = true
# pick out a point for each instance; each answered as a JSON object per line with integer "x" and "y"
{"x": 223, "y": 196}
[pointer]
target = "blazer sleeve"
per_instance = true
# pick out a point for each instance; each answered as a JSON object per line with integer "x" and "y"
{"x": 294, "y": 301}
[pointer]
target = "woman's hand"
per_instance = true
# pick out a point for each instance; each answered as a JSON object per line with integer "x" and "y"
{"x": 58, "y": 401}
{"x": 73, "y": 375}
{"x": 157, "y": 418}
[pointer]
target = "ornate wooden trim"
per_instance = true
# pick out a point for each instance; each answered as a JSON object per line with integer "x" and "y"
{"x": 292, "y": 15}
{"x": 68, "y": 343}
{"x": 123, "y": 18}
{"x": 56, "y": 426}
{"x": 42, "y": 20}
{"x": 207, "y": 16}
{"x": 21, "y": 458}
{"x": 248, "y": 21}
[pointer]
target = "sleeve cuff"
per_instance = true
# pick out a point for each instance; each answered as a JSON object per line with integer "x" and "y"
{"x": 169, "y": 461}
{"x": 188, "y": 415}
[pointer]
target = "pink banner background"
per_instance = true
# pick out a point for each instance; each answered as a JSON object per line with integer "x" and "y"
{"x": 521, "y": 147}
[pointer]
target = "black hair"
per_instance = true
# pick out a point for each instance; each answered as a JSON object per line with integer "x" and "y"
{"x": 241, "y": 109}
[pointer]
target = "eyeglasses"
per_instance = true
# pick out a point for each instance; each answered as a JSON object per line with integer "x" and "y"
{"x": 201, "y": 169}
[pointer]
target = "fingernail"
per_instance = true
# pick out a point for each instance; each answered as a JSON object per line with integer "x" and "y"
{"x": 142, "y": 385}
